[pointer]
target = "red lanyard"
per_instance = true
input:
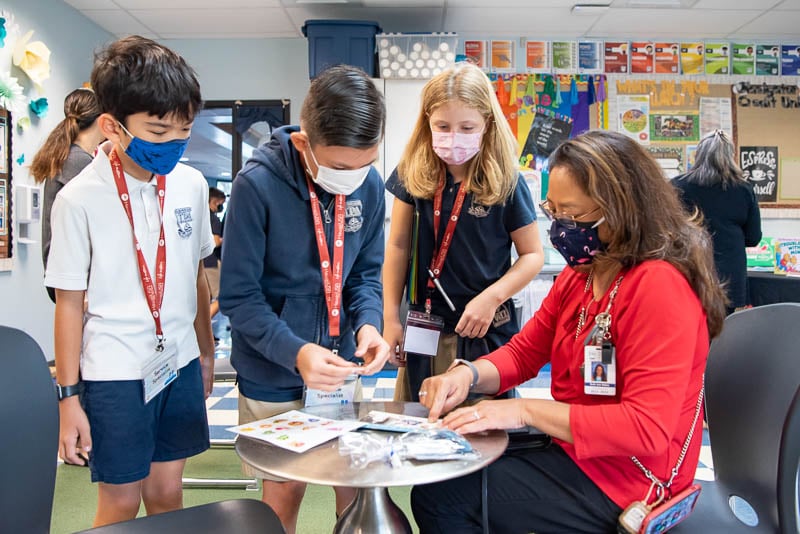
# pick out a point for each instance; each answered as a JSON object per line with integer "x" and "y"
{"x": 440, "y": 254}
{"x": 331, "y": 281}
{"x": 154, "y": 293}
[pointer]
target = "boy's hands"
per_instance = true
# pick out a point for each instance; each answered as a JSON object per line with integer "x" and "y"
{"x": 74, "y": 437}
{"x": 372, "y": 348}
{"x": 322, "y": 369}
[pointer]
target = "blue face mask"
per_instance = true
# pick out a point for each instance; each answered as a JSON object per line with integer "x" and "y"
{"x": 158, "y": 158}
{"x": 578, "y": 245}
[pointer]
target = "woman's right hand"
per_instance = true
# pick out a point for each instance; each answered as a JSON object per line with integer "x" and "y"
{"x": 74, "y": 437}
{"x": 393, "y": 335}
{"x": 442, "y": 393}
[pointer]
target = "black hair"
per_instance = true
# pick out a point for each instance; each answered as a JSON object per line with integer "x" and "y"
{"x": 135, "y": 74}
{"x": 344, "y": 108}
{"x": 213, "y": 192}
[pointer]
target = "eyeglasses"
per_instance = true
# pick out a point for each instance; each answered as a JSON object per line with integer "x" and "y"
{"x": 569, "y": 221}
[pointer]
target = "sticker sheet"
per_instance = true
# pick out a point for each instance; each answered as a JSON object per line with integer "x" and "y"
{"x": 296, "y": 431}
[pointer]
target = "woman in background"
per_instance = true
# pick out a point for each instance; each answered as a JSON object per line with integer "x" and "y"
{"x": 67, "y": 150}
{"x": 715, "y": 185}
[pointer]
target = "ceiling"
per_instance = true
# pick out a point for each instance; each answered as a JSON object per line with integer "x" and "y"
{"x": 230, "y": 19}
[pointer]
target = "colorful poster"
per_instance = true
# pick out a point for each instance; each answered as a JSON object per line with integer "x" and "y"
{"x": 690, "y": 150}
{"x": 670, "y": 127}
{"x": 549, "y": 130}
{"x": 564, "y": 55}
{"x": 669, "y": 158}
{"x": 759, "y": 165}
{"x": 667, "y": 58}
{"x": 790, "y": 60}
{"x": 503, "y": 55}
{"x": 536, "y": 58}
{"x": 476, "y": 53}
{"x": 589, "y": 60}
{"x": 717, "y": 58}
{"x": 768, "y": 60}
{"x": 692, "y": 58}
{"x": 744, "y": 58}
{"x": 642, "y": 54}
{"x": 634, "y": 117}
{"x": 616, "y": 57}
{"x": 716, "y": 114}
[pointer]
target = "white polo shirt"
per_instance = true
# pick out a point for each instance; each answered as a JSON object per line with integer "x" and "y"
{"x": 92, "y": 249}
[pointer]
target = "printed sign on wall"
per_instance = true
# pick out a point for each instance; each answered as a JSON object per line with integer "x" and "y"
{"x": 760, "y": 167}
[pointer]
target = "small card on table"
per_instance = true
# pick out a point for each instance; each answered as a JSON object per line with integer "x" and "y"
{"x": 295, "y": 430}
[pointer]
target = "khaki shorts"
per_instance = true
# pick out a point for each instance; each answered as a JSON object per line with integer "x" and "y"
{"x": 212, "y": 277}
{"x": 253, "y": 410}
{"x": 445, "y": 354}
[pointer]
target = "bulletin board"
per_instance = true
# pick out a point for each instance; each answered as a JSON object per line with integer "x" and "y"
{"x": 767, "y": 119}
{"x": 669, "y": 117}
{"x": 5, "y": 185}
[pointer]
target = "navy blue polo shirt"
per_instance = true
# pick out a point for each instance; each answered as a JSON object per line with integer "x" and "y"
{"x": 481, "y": 250}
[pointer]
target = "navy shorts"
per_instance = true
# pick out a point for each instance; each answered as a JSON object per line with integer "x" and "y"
{"x": 128, "y": 435}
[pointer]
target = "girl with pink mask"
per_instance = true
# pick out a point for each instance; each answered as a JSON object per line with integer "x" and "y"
{"x": 460, "y": 203}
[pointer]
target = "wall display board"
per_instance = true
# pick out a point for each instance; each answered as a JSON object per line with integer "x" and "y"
{"x": 5, "y": 187}
{"x": 768, "y": 137}
{"x": 669, "y": 116}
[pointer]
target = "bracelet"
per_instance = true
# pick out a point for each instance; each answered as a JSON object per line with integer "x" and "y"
{"x": 459, "y": 361}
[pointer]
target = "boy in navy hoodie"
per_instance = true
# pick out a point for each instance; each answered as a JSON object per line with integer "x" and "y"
{"x": 302, "y": 260}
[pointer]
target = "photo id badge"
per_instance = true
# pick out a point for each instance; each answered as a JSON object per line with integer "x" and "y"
{"x": 422, "y": 333}
{"x": 159, "y": 371}
{"x": 599, "y": 373}
{"x": 344, "y": 395}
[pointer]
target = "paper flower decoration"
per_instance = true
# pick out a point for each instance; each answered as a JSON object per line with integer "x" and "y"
{"x": 33, "y": 58}
{"x": 11, "y": 96}
{"x": 3, "y": 32}
{"x": 39, "y": 107}
{"x": 23, "y": 123}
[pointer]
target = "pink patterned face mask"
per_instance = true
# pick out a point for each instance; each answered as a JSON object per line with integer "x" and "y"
{"x": 456, "y": 148}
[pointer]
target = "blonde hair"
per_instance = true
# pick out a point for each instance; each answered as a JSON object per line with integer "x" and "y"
{"x": 492, "y": 173}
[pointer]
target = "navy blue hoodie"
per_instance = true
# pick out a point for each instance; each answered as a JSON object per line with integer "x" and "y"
{"x": 271, "y": 286}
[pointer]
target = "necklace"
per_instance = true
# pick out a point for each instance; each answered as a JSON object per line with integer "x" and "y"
{"x": 583, "y": 313}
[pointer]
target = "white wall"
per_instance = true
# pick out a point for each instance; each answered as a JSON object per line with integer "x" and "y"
{"x": 72, "y": 38}
{"x": 248, "y": 68}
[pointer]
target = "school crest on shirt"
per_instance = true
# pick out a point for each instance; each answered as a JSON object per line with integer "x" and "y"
{"x": 479, "y": 211}
{"x": 353, "y": 220}
{"x": 183, "y": 217}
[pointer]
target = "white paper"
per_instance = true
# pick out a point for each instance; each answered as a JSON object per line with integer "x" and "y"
{"x": 296, "y": 431}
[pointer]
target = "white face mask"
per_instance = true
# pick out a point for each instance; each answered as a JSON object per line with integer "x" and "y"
{"x": 338, "y": 182}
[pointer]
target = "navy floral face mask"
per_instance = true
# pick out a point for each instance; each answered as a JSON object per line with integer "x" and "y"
{"x": 578, "y": 245}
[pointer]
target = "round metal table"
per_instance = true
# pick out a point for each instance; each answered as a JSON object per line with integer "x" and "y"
{"x": 373, "y": 509}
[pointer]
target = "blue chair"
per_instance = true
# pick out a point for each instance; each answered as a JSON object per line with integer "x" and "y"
{"x": 753, "y": 409}
{"x": 29, "y": 417}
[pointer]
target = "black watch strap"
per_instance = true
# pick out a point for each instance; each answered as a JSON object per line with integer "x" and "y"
{"x": 67, "y": 391}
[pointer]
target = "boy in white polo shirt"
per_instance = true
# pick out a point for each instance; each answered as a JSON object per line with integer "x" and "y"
{"x": 129, "y": 234}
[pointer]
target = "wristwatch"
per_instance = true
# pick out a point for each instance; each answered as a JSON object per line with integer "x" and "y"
{"x": 67, "y": 391}
{"x": 459, "y": 361}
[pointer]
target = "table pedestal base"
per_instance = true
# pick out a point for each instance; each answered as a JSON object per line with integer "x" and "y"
{"x": 373, "y": 511}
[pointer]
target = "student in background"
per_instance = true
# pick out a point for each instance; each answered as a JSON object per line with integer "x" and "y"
{"x": 307, "y": 209}
{"x": 715, "y": 185}
{"x": 216, "y": 199}
{"x": 462, "y": 162}
{"x": 67, "y": 150}
{"x": 129, "y": 234}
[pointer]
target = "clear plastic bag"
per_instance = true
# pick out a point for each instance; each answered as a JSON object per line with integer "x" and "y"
{"x": 364, "y": 448}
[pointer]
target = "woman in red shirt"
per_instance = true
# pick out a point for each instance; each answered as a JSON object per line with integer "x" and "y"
{"x": 641, "y": 296}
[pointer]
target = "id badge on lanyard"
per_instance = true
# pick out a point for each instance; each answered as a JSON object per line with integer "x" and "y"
{"x": 159, "y": 371}
{"x": 599, "y": 366}
{"x": 422, "y": 333}
{"x": 346, "y": 394}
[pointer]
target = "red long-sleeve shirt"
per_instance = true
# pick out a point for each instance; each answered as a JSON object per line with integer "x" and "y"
{"x": 658, "y": 327}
